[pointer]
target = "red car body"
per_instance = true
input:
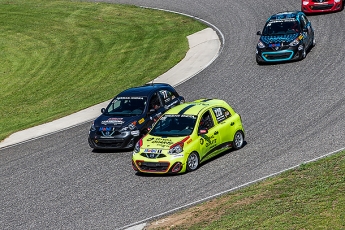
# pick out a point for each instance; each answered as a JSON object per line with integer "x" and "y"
{"x": 321, "y": 6}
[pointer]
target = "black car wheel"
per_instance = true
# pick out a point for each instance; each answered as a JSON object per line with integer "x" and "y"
{"x": 192, "y": 161}
{"x": 259, "y": 62}
{"x": 238, "y": 140}
{"x": 304, "y": 53}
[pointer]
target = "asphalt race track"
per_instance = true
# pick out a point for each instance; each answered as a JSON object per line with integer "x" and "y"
{"x": 292, "y": 113}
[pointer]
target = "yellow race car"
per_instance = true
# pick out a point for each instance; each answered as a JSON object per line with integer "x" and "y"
{"x": 188, "y": 135}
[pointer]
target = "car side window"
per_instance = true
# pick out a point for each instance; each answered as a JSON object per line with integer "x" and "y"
{"x": 303, "y": 22}
{"x": 114, "y": 106}
{"x": 221, "y": 113}
{"x": 167, "y": 96}
{"x": 206, "y": 121}
{"x": 154, "y": 102}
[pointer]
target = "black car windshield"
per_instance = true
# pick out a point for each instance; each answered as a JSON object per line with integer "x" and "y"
{"x": 273, "y": 28}
{"x": 127, "y": 106}
{"x": 174, "y": 125}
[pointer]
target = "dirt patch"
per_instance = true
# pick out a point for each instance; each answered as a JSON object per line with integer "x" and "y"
{"x": 205, "y": 213}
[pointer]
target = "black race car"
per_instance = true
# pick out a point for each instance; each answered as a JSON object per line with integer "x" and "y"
{"x": 286, "y": 36}
{"x": 130, "y": 114}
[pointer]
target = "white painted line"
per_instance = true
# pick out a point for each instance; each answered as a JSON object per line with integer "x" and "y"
{"x": 143, "y": 222}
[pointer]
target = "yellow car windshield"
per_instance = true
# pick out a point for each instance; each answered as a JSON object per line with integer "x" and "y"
{"x": 174, "y": 125}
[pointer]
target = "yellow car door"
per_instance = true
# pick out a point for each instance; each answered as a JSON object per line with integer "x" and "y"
{"x": 209, "y": 140}
{"x": 226, "y": 126}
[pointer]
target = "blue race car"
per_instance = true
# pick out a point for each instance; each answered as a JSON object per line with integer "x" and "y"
{"x": 130, "y": 114}
{"x": 286, "y": 36}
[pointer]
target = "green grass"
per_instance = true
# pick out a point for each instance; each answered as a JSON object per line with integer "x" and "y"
{"x": 308, "y": 197}
{"x": 59, "y": 57}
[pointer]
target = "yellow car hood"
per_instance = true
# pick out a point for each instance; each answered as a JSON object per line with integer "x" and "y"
{"x": 157, "y": 142}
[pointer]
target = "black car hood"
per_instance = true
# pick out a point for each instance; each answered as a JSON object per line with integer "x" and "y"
{"x": 118, "y": 121}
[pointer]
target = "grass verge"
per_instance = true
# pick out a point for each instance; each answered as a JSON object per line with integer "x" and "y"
{"x": 59, "y": 57}
{"x": 308, "y": 197}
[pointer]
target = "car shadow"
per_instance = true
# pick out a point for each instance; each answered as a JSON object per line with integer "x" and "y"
{"x": 155, "y": 175}
{"x": 111, "y": 150}
{"x": 221, "y": 155}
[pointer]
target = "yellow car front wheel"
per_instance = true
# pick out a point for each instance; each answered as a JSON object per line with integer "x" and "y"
{"x": 193, "y": 161}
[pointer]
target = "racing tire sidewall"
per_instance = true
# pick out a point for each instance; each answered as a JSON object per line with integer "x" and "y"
{"x": 303, "y": 53}
{"x": 238, "y": 140}
{"x": 314, "y": 42}
{"x": 192, "y": 162}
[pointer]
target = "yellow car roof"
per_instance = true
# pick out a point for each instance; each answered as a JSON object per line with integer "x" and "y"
{"x": 197, "y": 106}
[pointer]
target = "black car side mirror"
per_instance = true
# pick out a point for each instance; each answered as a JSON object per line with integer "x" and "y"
{"x": 102, "y": 110}
{"x": 258, "y": 33}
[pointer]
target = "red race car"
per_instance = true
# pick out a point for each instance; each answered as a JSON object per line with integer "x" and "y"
{"x": 322, "y": 6}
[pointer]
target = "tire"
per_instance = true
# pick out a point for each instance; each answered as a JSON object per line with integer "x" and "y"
{"x": 238, "y": 140}
{"x": 258, "y": 61}
{"x": 314, "y": 42}
{"x": 304, "y": 53}
{"x": 192, "y": 162}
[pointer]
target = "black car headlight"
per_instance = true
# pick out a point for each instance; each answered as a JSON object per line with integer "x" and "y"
{"x": 132, "y": 129}
{"x": 137, "y": 147}
{"x": 93, "y": 128}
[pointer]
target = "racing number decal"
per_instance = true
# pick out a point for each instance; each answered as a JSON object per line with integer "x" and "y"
{"x": 218, "y": 112}
{"x": 221, "y": 114}
{"x": 164, "y": 94}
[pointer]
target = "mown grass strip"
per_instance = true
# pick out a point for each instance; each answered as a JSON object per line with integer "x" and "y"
{"x": 58, "y": 57}
{"x": 308, "y": 197}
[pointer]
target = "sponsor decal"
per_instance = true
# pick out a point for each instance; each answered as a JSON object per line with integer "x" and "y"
{"x": 274, "y": 45}
{"x": 300, "y": 37}
{"x": 210, "y": 141}
{"x": 201, "y": 141}
{"x": 152, "y": 151}
{"x": 163, "y": 141}
{"x": 107, "y": 132}
{"x": 150, "y": 139}
{"x": 105, "y": 129}
{"x": 113, "y": 120}
{"x": 124, "y": 98}
{"x": 174, "y": 102}
{"x": 135, "y": 133}
{"x": 179, "y": 115}
{"x": 189, "y": 141}
{"x": 178, "y": 155}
